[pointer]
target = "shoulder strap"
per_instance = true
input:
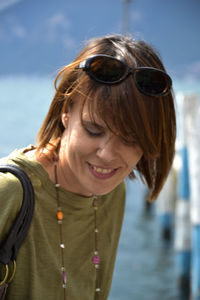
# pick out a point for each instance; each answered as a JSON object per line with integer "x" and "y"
{"x": 20, "y": 227}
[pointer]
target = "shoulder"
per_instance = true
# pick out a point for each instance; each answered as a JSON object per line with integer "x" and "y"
{"x": 9, "y": 184}
{"x": 11, "y": 194}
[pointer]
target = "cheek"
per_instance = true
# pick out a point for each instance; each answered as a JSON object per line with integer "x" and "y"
{"x": 79, "y": 145}
{"x": 134, "y": 156}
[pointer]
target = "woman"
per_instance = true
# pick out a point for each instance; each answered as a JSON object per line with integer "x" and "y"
{"x": 112, "y": 114}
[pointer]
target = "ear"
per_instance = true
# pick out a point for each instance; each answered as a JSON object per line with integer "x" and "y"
{"x": 65, "y": 118}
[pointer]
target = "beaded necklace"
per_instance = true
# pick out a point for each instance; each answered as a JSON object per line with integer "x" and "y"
{"x": 60, "y": 217}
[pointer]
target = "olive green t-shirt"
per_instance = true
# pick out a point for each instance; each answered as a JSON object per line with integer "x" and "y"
{"x": 38, "y": 274}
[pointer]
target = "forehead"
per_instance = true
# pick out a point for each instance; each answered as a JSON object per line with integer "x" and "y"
{"x": 101, "y": 104}
{"x": 82, "y": 109}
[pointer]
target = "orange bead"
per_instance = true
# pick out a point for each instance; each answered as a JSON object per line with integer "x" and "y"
{"x": 59, "y": 215}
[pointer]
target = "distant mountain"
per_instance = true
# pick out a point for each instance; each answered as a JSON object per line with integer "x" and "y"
{"x": 38, "y": 37}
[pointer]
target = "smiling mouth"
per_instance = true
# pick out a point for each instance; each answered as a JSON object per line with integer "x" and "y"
{"x": 101, "y": 172}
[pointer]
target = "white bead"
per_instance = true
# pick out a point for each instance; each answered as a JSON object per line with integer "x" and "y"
{"x": 62, "y": 246}
{"x": 98, "y": 289}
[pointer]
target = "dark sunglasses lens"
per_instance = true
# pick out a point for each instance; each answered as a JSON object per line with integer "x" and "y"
{"x": 152, "y": 82}
{"x": 106, "y": 69}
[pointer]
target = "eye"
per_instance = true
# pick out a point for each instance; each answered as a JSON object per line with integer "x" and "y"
{"x": 93, "y": 133}
{"x": 93, "y": 129}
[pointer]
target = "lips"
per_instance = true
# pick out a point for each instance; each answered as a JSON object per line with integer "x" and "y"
{"x": 101, "y": 172}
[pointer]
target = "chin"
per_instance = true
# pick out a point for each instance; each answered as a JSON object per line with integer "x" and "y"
{"x": 100, "y": 188}
{"x": 101, "y": 192}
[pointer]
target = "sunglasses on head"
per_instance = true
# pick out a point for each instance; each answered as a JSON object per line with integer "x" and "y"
{"x": 109, "y": 70}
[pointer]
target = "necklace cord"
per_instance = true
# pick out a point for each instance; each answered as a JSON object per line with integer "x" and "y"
{"x": 96, "y": 257}
{"x": 60, "y": 221}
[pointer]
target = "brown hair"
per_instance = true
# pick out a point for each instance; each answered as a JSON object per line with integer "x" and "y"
{"x": 148, "y": 121}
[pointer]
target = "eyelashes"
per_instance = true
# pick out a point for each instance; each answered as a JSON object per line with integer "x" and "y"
{"x": 93, "y": 133}
{"x": 93, "y": 129}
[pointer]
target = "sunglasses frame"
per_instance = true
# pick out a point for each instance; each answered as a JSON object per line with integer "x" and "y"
{"x": 86, "y": 66}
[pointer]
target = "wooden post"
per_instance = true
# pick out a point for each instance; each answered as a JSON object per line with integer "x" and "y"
{"x": 165, "y": 205}
{"x": 193, "y": 131}
{"x": 182, "y": 215}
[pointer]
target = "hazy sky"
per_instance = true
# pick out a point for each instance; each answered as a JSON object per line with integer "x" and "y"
{"x": 40, "y": 36}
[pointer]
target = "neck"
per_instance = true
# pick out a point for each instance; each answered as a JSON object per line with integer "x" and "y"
{"x": 47, "y": 163}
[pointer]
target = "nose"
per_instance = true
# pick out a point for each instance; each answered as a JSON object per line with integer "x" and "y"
{"x": 108, "y": 148}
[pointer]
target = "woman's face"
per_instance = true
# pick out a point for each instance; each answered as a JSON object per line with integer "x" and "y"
{"x": 92, "y": 160}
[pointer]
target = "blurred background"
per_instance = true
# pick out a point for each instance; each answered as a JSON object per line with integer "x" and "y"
{"x": 37, "y": 38}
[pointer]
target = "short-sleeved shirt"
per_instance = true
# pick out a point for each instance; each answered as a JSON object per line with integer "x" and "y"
{"x": 38, "y": 274}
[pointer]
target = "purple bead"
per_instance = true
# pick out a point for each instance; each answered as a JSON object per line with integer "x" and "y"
{"x": 96, "y": 259}
{"x": 64, "y": 277}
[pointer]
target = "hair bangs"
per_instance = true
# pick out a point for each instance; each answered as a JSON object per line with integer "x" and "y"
{"x": 124, "y": 110}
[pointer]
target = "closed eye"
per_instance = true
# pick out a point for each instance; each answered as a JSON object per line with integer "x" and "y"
{"x": 92, "y": 133}
{"x": 93, "y": 129}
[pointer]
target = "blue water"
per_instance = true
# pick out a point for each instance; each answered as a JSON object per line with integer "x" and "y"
{"x": 145, "y": 267}
{"x": 23, "y": 105}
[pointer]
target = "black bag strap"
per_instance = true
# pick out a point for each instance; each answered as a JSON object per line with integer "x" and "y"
{"x": 20, "y": 227}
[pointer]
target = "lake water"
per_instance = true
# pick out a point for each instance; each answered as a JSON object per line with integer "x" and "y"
{"x": 145, "y": 267}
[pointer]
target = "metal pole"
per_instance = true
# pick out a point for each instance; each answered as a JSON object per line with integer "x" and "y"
{"x": 126, "y": 16}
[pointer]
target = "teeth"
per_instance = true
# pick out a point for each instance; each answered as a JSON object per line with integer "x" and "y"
{"x": 102, "y": 171}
